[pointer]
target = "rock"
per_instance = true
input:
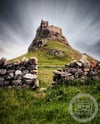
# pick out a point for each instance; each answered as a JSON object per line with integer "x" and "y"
{"x": 30, "y": 76}
{"x": 57, "y": 72}
{"x": 73, "y": 64}
{"x": 25, "y": 72}
{"x": 79, "y": 63}
{"x": 25, "y": 86}
{"x": 28, "y": 81}
{"x": 36, "y": 83}
{"x": 3, "y": 71}
{"x": 18, "y": 72}
{"x": 17, "y": 82}
{"x": 85, "y": 61}
{"x": 6, "y": 83}
{"x": 34, "y": 72}
{"x": 86, "y": 69}
{"x": 70, "y": 77}
{"x": 56, "y": 52}
{"x": 66, "y": 74}
{"x": 9, "y": 76}
{"x": 9, "y": 87}
{"x": 2, "y": 81}
{"x": 3, "y": 62}
{"x": 33, "y": 60}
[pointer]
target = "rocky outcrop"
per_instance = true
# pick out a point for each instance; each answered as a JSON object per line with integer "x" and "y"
{"x": 56, "y": 53}
{"x": 45, "y": 33}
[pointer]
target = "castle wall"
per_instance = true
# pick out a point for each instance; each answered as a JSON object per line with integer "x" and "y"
{"x": 54, "y": 29}
{"x": 51, "y": 28}
{"x": 49, "y": 32}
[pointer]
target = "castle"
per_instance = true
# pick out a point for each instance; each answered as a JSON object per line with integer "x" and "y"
{"x": 45, "y": 33}
{"x": 45, "y": 30}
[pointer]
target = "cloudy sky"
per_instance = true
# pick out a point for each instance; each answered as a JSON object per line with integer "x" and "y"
{"x": 79, "y": 20}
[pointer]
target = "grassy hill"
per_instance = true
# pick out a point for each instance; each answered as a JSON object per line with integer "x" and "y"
{"x": 24, "y": 106}
{"x": 45, "y": 58}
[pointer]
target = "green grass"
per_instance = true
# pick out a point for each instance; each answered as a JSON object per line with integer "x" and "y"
{"x": 21, "y": 106}
{"x": 24, "y": 106}
{"x": 45, "y": 75}
{"x": 45, "y": 58}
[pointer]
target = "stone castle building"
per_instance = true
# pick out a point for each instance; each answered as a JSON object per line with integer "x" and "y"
{"x": 51, "y": 28}
{"x": 46, "y": 32}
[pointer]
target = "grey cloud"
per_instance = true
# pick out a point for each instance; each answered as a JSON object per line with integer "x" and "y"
{"x": 79, "y": 20}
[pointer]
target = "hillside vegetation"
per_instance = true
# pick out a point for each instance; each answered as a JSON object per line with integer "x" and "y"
{"x": 24, "y": 106}
{"x": 44, "y": 57}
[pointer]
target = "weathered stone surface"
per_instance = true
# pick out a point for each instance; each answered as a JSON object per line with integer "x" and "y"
{"x": 30, "y": 76}
{"x": 2, "y": 81}
{"x": 6, "y": 83}
{"x": 56, "y": 52}
{"x": 17, "y": 82}
{"x": 3, "y": 71}
{"x": 82, "y": 70}
{"x": 19, "y": 73}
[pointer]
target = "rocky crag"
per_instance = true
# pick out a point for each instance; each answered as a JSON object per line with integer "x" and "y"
{"x": 46, "y": 33}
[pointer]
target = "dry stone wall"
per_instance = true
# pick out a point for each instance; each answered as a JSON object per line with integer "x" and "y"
{"x": 77, "y": 70}
{"x": 19, "y": 73}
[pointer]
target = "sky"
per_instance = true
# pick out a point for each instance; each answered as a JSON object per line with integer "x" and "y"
{"x": 79, "y": 20}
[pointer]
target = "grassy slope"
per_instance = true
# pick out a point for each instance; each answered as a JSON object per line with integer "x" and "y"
{"x": 21, "y": 106}
{"x": 46, "y": 59}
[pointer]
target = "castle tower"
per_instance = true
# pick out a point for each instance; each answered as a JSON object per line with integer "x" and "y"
{"x": 44, "y": 24}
